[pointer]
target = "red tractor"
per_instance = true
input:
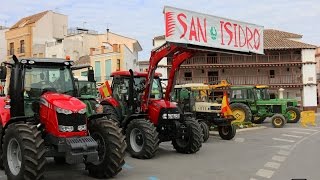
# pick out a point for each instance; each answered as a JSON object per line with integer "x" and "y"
{"x": 146, "y": 114}
{"x": 41, "y": 118}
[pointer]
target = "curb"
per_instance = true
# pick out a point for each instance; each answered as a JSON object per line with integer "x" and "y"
{"x": 240, "y": 130}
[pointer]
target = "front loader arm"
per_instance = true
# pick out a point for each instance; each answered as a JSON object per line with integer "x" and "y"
{"x": 178, "y": 59}
{"x": 156, "y": 56}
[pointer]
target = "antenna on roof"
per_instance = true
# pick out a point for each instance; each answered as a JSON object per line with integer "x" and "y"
{"x": 108, "y": 32}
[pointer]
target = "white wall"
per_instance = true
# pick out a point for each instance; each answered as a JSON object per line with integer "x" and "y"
{"x": 129, "y": 58}
{"x": 309, "y": 77}
{"x": 3, "y": 45}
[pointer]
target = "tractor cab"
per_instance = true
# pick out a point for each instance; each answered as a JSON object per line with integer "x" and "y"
{"x": 195, "y": 97}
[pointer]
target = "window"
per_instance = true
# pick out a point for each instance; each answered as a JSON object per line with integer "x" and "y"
{"x": 22, "y": 50}
{"x": 188, "y": 76}
{"x": 118, "y": 65}
{"x": 272, "y": 73}
{"x": 84, "y": 73}
{"x": 11, "y": 50}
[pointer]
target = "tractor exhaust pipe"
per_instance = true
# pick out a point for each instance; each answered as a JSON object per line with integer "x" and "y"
{"x": 15, "y": 59}
{"x": 131, "y": 90}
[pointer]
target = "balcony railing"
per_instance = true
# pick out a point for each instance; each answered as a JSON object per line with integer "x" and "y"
{"x": 244, "y": 80}
{"x": 235, "y": 59}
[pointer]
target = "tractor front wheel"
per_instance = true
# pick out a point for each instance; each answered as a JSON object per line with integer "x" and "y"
{"x": 23, "y": 152}
{"x": 142, "y": 139}
{"x": 294, "y": 114}
{"x": 192, "y": 142}
{"x": 241, "y": 112}
{"x": 205, "y": 130}
{"x": 278, "y": 120}
{"x": 111, "y": 148}
{"x": 227, "y": 132}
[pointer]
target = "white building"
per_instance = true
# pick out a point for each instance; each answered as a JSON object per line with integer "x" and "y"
{"x": 3, "y": 43}
{"x": 82, "y": 42}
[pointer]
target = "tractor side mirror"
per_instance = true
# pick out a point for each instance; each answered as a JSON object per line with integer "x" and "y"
{"x": 90, "y": 75}
{"x": 3, "y": 72}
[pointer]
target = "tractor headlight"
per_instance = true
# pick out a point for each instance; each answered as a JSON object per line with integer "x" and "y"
{"x": 82, "y": 127}
{"x": 82, "y": 111}
{"x": 171, "y": 116}
{"x": 63, "y": 111}
{"x": 66, "y": 128}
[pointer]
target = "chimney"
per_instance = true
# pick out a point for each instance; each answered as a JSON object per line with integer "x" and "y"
{"x": 102, "y": 49}
{"x": 115, "y": 47}
{"x": 91, "y": 51}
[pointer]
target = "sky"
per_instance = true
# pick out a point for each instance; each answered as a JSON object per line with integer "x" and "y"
{"x": 143, "y": 19}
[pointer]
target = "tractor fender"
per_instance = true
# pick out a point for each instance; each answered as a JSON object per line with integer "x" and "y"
{"x": 97, "y": 116}
{"x": 15, "y": 120}
{"x": 127, "y": 120}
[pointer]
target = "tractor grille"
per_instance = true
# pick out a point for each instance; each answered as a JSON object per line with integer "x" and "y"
{"x": 168, "y": 111}
{"x": 74, "y": 119}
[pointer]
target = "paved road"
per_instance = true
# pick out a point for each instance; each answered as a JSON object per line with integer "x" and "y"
{"x": 280, "y": 154}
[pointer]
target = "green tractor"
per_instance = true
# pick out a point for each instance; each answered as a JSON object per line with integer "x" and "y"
{"x": 194, "y": 98}
{"x": 253, "y": 103}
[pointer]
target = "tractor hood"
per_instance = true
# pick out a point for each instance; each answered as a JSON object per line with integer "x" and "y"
{"x": 289, "y": 102}
{"x": 163, "y": 104}
{"x": 63, "y": 101}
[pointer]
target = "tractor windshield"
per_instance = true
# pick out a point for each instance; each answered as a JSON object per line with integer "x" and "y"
{"x": 87, "y": 88}
{"x": 263, "y": 94}
{"x": 40, "y": 79}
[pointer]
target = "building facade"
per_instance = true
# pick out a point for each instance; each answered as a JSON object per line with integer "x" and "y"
{"x": 104, "y": 52}
{"x": 318, "y": 73}
{"x": 27, "y": 38}
{"x": 287, "y": 63}
{"x": 3, "y": 43}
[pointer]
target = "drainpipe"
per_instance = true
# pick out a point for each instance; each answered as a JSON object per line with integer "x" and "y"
{"x": 281, "y": 90}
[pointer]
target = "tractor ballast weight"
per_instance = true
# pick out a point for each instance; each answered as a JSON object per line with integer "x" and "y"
{"x": 41, "y": 118}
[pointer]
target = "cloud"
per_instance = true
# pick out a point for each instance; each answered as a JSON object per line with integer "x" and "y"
{"x": 143, "y": 19}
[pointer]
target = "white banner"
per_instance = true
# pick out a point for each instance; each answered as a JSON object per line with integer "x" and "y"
{"x": 183, "y": 26}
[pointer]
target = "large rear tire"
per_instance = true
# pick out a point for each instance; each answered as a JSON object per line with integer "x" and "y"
{"x": 112, "y": 114}
{"x": 111, "y": 148}
{"x": 241, "y": 112}
{"x": 294, "y": 113}
{"x": 192, "y": 143}
{"x": 23, "y": 152}
{"x": 227, "y": 132}
{"x": 142, "y": 139}
{"x": 205, "y": 130}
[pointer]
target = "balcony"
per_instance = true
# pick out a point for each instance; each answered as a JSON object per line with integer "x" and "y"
{"x": 245, "y": 80}
{"x": 236, "y": 59}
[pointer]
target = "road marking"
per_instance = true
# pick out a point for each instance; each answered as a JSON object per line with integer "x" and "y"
{"x": 279, "y": 158}
{"x": 299, "y": 132}
{"x": 282, "y": 152}
{"x": 273, "y": 165}
{"x": 239, "y": 139}
{"x": 252, "y": 179}
{"x": 153, "y": 178}
{"x": 127, "y": 166}
{"x": 289, "y": 135}
{"x": 265, "y": 173}
{"x": 304, "y": 129}
{"x": 283, "y": 147}
{"x": 285, "y": 140}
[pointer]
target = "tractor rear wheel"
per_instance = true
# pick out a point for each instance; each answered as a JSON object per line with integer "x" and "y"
{"x": 278, "y": 120}
{"x": 258, "y": 120}
{"x": 192, "y": 143}
{"x": 294, "y": 113}
{"x": 111, "y": 148}
{"x": 241, "y": 112}
{"x": 227, "y": 132}
{"x": 23, "y": 152}
{"x": 205, "y": 130}
{"x": 142, "y": 139}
